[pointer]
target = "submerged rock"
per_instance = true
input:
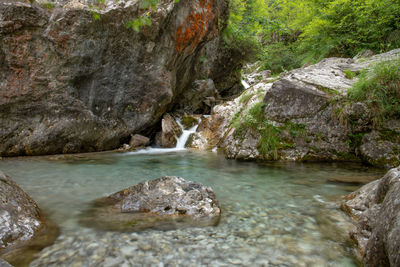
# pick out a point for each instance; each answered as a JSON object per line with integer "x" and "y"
{"x": 375, "y": 209}
{"x": 165, "y": 203}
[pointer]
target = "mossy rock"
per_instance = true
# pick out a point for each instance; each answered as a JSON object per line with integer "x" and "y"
{"x": 188, "y": 121}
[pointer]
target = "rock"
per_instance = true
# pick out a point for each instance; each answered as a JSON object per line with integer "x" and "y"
{"x": 171, "y": 131}
{"x": 3, "y": 263}
{"x": 375, "y": 210}
{"x": 356, "y": 180}
{"x": 163, "y": 203}
{"x": 71, "y": 83}
{"x": 305, "y": 117}
{"x": 377, "y": 151}
{"x": 24, "y": 230}
{"x": 20, "y": 215}
{"x": 138, "y": 140}
{"x": 189, "y": 121}
{"x": 204, "y": 93}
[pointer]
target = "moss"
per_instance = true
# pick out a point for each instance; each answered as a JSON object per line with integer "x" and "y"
{"x": 48, "y": 5}
{"x": 328, "y": 91}
{"x": 271, "y": 138}
{"x": 354, "y": 139}
{"x": 391, "y": 136}
{"x": 189, "y": 121}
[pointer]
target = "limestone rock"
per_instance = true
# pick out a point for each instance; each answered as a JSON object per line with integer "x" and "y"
{"x": 70, "y": 83}
{"x": 189, "y": 121}
{"x": 375, "y": 209}
{"x": 164, "y": 203}
{"x": 171, "y": 131}
{"x": 19, "y": 214}
{"x": 309, "y": 121}
{"x": 138, "y": 140}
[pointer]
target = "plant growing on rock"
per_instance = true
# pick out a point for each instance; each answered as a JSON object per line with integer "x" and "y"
{"x": 380, "y": 89}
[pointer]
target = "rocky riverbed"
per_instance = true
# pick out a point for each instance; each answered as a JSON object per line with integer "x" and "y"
{"x": 275, "y": 214}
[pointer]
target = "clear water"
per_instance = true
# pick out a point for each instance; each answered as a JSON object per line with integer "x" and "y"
{"x": 280, "y": 214}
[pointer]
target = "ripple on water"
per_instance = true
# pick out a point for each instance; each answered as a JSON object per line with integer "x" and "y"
{"x": 272, "y": 214}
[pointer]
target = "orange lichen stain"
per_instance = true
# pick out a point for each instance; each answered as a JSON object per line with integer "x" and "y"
{"x": 193, "y": 31}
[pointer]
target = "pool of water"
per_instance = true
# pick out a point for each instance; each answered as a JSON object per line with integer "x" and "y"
{"x": 277, "y": 214}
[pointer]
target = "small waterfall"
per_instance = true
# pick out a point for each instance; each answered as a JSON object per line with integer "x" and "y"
{"x": 245, "y": 84}
{"x": 180, "y": 144}
{"x": 185, "y": 135}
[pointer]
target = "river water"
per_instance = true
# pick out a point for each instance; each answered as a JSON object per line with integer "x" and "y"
{"x": 273, "y": 214}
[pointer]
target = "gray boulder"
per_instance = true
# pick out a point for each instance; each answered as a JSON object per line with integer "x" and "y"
{"x": 138, "y": 140}
{"x": 375, "y": 210}
{"x": 166, "y": 203}
{"x": 19, "y": 214}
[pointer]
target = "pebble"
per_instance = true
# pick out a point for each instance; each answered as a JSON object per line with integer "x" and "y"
{"x": 274, "y": 237}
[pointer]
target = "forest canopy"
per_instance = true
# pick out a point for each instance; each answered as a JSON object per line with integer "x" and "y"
{"x": 285, "y": 34}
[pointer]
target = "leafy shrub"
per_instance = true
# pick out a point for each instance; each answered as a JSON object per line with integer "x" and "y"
{"x": 380, "y": 89}
{"x": 279, "y": 57}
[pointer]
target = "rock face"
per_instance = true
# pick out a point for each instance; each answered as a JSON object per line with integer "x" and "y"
{"x": 70, "y": 82}
{"x": 19, "y": 214}
{"x": 170, "y": 131}
{"x": 301, "y": 116}
{"x": 159, "y": 203}
{"x": 375, "y": 209}
{"x": 138, "y": 140}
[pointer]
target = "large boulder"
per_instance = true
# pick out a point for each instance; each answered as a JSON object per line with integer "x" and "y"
{"x": 75, "y": 77}
{"x": 166, "y": 202}
{"x": 375, "y": 210}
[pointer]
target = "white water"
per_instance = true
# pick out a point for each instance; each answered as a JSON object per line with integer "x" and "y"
{"x": 180, "y": 145}
{"x": 245, "y": 84}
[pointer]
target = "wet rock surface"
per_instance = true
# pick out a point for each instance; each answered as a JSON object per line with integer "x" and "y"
{"x": 165, "y": 203}
{"x": 375, "y": 209}
{"x": 24, "y": 230}
{"x": 170, "y": 131}
{"x": 72, "y": 83}
{"x": 19, "y": 214}
{"x": 305, "y": 119}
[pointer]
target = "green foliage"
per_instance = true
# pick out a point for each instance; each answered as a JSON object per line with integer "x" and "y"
{"x": 354, "y": 139}
{"x": 245, "y": 97}
{"x": 349, "y": 74}
{"x": 137, "y": 23}
{"x": 294, "y": 32}
{"x": 272, "y": 138}
{"x": 380, "y": 89}
{"x": 279, "y": 57}
{"x": 48, "y": 5}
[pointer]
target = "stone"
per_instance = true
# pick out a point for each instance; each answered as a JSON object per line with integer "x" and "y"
{"x": 3, "y": 263}
{"x": 163, "y": 203}
{"x": 20, "y": 215}
{"x": 171, "y": 131}
{"x": 356, "y": 180}
{"x": 189, "y": 121}
{"x": 138, "y": 140}
{"x": 24, "y": 230}
{"x": 204, "y": 93}
{"x": 70, "y": 83}
{"x": 304, "y": 107}
{"x": 375, "y": 210}
{"x": 379, "y": 152}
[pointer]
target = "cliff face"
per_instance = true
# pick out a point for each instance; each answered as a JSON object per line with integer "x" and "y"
{"x": 73, "y": 83}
